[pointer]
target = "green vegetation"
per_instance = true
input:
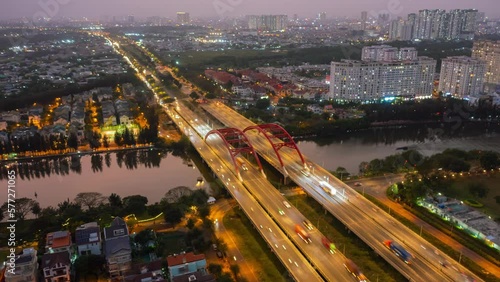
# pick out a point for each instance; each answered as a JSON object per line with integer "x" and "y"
{"x": 353, "y": 248}
{"x": 437, "y": 173}
{"x": 460, "y": 188}
{"x": 253, "y": 247}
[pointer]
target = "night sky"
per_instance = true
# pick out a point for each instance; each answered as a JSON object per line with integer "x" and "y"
{"x": 98, "y": 9}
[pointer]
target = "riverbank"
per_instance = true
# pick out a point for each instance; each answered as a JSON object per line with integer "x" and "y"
{"x": 409, "y": 129}
{"x": 41, "y": 155}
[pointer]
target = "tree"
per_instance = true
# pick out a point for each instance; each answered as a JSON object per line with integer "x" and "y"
{"x": 341, "y": 172}
{"x": 73, "y": 141}
{"x": 105, "y": 141}
{"x": 262, "y": 104}
{"x": 115, "y": 200}
{"x": 89, "y": 199}
{"x": 94, "y": 141}
{"x": 135, "y": 204}
{"x": 172, "y": 213}
{"x": 118, "y": 139}
{"x": 235, "y": 269}
{"x": 23, "y": 206}
{"x": 215, "y": 269}
{"x": 190, "y": 223}
{"x": 194, "y": 95}
{"x": 35, "y": 209}
{"x": 489, "y": 160}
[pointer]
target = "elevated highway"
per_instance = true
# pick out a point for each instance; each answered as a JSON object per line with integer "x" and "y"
{"x": 362, "y": 217}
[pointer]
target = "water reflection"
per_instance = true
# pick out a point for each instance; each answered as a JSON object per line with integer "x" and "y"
{"x": 349, "y": 150}
{"x": 150, "y": 173}
{"x": 63, "y": 165}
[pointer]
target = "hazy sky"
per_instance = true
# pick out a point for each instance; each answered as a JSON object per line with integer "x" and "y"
{"x": 221, "y": 8}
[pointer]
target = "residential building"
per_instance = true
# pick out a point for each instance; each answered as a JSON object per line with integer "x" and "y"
{"x": 59, "y": 241}
{"x": 88, "y": 239}
{"x": 143, "y": 272}
{"x": 383, "y": 73}
{"x": 364, "y": 19}
{"x": 197, "y": 276}
{"x": 439, "y": 24}
{"x": 185, "y": 263}
{"x": 461, "y": 76}
{"x": 117, "y": 247}
{"x": 489, "y": 51}
{"x": 183, "y": 18}
{"x": 26, "y": 267}
{"x": 12, "y": 116}
{"x": 268, "y": 22}
{"x": 56, "y": 267}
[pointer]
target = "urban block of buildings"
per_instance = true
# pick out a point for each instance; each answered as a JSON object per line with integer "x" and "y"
{"x": 383, "y": 73}
{"x": 461, "y": 76}
{"x": 489, "y": 51}
{"x": 268, "y": 22}
{"x": 435, "y": 24}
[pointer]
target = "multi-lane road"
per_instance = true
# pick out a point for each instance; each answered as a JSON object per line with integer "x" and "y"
{"x": 293, "y": 260}
{"x": 330, "y": 265}
{"x": 262, "y": 204}
{"x": 284, "y": 249}
{"x": 361, "y": 216}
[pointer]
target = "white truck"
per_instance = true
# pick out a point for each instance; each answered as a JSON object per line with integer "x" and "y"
{"x": 327, "y": 187}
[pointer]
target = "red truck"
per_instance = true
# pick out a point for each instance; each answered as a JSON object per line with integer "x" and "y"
{"x": 328, "y": 244}
{"x": 354, "y": 270}
{"x": 302, "y": 233}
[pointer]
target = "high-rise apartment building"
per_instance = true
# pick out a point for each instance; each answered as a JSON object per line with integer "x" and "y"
{"x": 364, "y": 19}
{"x": 488, "y": 51}
{"x": 436, "y": 24}
{"x": 322, "y": 16}
{"x": 183, "y": 18}
{"x": 461, "y": 76}
{"x": 268, "y": 22}
{"x": 400, "y": 30}
{"x": 383, "y": 72}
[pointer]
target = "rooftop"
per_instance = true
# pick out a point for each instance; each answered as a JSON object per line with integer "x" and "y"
{"x": 87, "y": 233}
{"x": 58, "y": 239}
{"x": 184, "y": 258}
{"x": 50, "y": 260}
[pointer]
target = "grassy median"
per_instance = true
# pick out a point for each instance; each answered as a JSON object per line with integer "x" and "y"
{"x": 254, "y": 249}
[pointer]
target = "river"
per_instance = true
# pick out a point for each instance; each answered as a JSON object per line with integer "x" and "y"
{"x": 150, "y": 174}
{"x": 350, "y": 150}
{"x": 153, "y": 173}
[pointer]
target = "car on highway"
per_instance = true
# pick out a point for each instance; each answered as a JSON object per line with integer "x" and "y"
{"x": 281, "y": 212}
{"x": 302, "y": 234}
{"x": 358, "y": 184}
{"x": 308, "y": 224}
{"x": 287, "y": 205}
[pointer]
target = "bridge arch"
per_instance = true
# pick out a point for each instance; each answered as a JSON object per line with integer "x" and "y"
{"x": 236, "y": 142}
{"x": 278, "y": 137}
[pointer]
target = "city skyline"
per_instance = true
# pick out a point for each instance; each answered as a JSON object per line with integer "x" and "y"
{"x": 233, "y": 8}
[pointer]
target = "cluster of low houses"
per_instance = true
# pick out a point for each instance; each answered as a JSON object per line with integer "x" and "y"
{"x": 61, "y": 66}
{"x": 251, "y": 85}
{"x": 69, "y": 116}
{"x": 114, "y": 244}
